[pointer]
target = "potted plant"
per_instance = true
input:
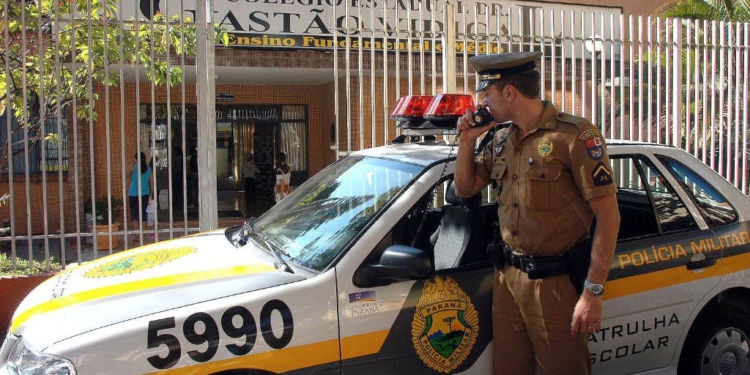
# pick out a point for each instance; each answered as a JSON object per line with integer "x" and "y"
{"x": 17, "y": 279}
{"x": 101, "y": 217}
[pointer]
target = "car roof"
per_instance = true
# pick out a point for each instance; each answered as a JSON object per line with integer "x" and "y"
{"x": 428, "y": 153}
{"x": 423, "y": 154}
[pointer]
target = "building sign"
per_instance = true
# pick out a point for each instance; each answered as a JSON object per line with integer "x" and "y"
{"x": 392, "y": 25}
{"x": 328, "y": 43}
{"x": 224, "y": 98}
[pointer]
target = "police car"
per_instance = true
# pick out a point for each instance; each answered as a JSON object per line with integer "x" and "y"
{"x": 374, "y": 266}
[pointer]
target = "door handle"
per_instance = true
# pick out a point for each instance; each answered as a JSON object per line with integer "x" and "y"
{"x": 699, "y": 261}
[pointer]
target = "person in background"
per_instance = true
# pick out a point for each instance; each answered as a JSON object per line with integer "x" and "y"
{"x": 140, "y": 192}
{"x": 249, "y": 174}
{"x": 552, "y": 176}
{"x": 283, "y": 177}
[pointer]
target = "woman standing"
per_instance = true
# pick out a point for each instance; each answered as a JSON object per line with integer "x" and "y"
{"x": 283, "y": 177}
{"x": 139, "y": 194}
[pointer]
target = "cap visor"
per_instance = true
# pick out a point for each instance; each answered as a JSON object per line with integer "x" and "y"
{"x": 483, "y": 84}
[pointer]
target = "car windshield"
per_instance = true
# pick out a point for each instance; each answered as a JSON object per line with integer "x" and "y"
{"x": 317, "y": 222}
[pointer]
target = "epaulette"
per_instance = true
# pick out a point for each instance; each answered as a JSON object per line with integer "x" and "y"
{"x": 580, "y": 122}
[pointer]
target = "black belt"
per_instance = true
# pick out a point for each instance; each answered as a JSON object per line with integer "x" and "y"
{"x": 537, "y": 267}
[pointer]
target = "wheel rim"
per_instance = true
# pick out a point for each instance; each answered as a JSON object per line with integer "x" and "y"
{"x": 727, "y": 353}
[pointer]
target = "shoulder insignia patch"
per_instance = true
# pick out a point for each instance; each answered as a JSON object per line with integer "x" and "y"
{"x": 589, "y": 133}
{"x": 592, "y": 139}
{"x": 445, "y": 325}
{"x": 594, "y": 147}
{"x": 137, "y": 262}
{"x": 601, "y": 175}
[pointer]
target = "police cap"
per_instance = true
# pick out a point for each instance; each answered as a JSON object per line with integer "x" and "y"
{"x": 494, "y": 67}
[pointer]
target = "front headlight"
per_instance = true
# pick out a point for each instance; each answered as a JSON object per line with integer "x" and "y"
{"x": 25, "y": 360}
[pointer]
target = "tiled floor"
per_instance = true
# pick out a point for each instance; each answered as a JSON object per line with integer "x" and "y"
{"x": 232, "y": 201}
{"x": 230, "y": 204}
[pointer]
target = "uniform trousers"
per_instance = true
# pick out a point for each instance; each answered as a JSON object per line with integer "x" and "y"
{"x": 531, "y": 326}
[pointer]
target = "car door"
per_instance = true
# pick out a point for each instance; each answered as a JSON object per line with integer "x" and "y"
{"x": 662, "y": 268}
{"x": 438, "y": 323}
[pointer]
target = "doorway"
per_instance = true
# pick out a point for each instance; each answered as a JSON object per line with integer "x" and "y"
{"x": 264, "y": 131}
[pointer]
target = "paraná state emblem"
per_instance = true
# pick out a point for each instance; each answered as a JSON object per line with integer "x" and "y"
{"x": 445, "y": 325}
{"x": 138, "y": 262}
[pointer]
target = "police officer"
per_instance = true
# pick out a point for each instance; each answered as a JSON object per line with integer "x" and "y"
{"x": 552, "y": 176}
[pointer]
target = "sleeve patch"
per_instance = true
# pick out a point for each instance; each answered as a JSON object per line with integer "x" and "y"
{"x": 601, "y": 175}
{"x": 594, "y": 148}
{"x": 588, "y": 134}
{"x": 592, "y": 139}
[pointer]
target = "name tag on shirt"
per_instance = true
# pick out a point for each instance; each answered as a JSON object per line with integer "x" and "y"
{"x": 498, "y": 170}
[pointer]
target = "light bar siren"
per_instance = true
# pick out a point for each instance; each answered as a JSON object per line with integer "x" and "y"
{"x": 430, "y": 115}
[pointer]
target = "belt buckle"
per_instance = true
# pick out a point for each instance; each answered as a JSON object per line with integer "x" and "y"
{"x": 517, "y": 261}
{"x": 533, "y": 269}
{"x": 531, "y": 264}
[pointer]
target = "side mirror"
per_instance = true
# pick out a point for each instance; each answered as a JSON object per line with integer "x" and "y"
{"x": 397, "y": 263}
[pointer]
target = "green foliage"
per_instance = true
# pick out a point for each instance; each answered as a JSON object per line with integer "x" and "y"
{"x": 55, "y": 51}
{"x": 710, "y": 10}
{"x": 103, "y": 209}
{"x": 714, "y": 129}
{"x": 25, "y": 267}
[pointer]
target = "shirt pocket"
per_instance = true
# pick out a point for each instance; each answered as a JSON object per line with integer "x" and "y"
{"x": 542, "y": 184}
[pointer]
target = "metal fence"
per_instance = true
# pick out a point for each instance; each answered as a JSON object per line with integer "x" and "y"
{"x": 668, "y": 81}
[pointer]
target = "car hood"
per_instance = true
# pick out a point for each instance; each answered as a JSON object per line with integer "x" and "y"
{"x": 143, "y": 281}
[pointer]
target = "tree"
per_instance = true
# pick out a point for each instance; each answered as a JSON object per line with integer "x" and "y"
{"x": 717, "y": 16}
{"x": 710, "y": 10}
{"x": 56, "y": 51}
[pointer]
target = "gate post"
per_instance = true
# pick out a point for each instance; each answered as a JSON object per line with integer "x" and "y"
{"x": 449, "y": 51}
{"x": 206, "y": 107}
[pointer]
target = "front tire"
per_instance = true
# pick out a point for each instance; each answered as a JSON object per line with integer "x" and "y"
{"x": 718, "y": 344}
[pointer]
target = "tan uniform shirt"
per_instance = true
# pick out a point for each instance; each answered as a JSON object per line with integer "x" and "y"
{"x": 544, "y": 180}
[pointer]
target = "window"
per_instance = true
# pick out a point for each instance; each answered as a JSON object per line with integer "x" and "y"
{"x": 56, "y": 151}
{"x": 712, "y": 205}
{"x": 53, "y": 157}
{"x": 313, "y": 226}
{"x": 648, "y": 204}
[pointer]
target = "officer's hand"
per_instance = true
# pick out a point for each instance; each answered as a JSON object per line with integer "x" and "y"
{"x": 466, "y": 131}
{"x": 587, "y": 315}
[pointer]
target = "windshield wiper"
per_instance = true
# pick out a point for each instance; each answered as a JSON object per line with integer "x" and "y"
{"x": 240, "y": 237}
{"x": 276, "y": 252}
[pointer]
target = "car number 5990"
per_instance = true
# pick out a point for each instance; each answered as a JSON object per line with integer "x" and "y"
{"x": 210, "y": 333}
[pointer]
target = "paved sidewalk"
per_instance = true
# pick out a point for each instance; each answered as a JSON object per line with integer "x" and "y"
{"x": 232, "y": 210}
{"x": 82, "y": 248}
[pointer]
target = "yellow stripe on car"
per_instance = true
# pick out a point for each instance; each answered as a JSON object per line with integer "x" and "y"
{"x": 670, "y": 277}
{"x": 278, "y": 361}
{"x": 135, "y": 286}
{"x": 361, "y": 345}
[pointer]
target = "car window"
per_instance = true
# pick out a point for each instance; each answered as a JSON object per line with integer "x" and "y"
{"x": 715, "y": 209}
{"x": 313, "y": 225}
{"x": 464, "y": 243}
{"x": 648, "y": 204}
